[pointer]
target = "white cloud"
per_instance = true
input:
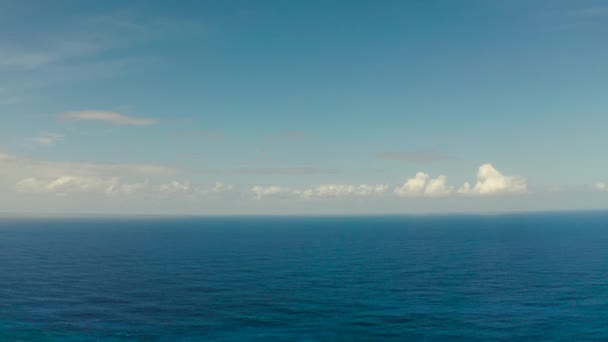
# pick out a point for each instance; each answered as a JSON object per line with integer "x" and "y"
{"x": 46, "y": 139}
{"x": 266, "y": 191}
{"x": 175, "y": 187}
{"x": 320, "y": 192}
{"x": 423, "y": 186}
{"x": 66, "y": 185}
{"x": 465, "y": 189}
{"x": 107, "y": 117}
{"x": 491, "y": 182}
{"x": 601, "y": 186}
{"x": 60, "y": 178}
{"x": 74, "y": 185}
{"x": 25, "y": 175}
{"x": 342, "y": 190}
{"x": 220, "y": 187}
{"x": 413, "y": 186}
{"x": 126, "y": 189}
{"x": 438, "y": 187}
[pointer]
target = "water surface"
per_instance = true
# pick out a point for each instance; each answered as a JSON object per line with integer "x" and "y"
{"x": 471, "y": 278}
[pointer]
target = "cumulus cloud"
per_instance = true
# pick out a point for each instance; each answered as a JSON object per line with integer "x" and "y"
{"x": 107, "y": 117}
{"x": 438, "y": 187}
{"x": 25, "y": 176}
{"x": 423, "y": 186}
{"x": 342, "y": 190}
{"x": 413, "y": 186}
{"x": 320, "y": 192}
{"x": 491, "y": 182}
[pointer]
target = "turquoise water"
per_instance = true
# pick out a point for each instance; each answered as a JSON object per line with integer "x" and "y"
{"x": 470, "y": 278}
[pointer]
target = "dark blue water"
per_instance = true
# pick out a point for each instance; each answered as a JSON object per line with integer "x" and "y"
{"x": 486, "y": 278}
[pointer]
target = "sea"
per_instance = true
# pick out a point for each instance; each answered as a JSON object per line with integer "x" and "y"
{"x": 495, "y": 277}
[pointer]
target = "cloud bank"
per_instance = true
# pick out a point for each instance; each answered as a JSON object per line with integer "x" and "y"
{"x": 107, "y": 117}
{"x": 25, "y": 176}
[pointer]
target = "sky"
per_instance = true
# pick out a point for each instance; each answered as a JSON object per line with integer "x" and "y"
{"x": 302, "y": 107}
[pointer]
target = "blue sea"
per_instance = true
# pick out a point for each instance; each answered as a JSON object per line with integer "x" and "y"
{"x": 524, "y": 277}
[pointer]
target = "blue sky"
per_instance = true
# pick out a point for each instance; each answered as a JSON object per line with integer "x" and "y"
{"x": 230, "y": 107}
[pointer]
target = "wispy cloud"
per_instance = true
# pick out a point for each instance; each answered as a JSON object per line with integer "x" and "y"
{"x": 13, "y": 166}
{"x": 81, "y": 47}
{"x": 417, "y": 157}
{"x": 107, "y": 117}
{"x": 45, "y": 139}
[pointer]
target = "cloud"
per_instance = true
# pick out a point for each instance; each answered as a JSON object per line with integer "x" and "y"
{"x": 17, "y": 166}
{"x": 175, "y": 187}
{"x": 342, "y": 190}
{"x": 82, "y": 37}
{"x": 423, "y": 186}
{"x": 601, "y": 186}
{"x": 107, "y": 117}
{"x": 220, "y": 187}
{"x": 320, "y": 192}
{"x": 413, "y": 186}
{"x": 491, "y": 182}
{"x": 66, "y": 185}
{"x": 46, "y": 139}
{"x": 75, "y": 185}
{"x": 28, "y": 176}
{"x": 269, "y": 191}
{"x": 438, "y": 188}
{"x": 39, "y": 176}
{"x": 417, "y": 157}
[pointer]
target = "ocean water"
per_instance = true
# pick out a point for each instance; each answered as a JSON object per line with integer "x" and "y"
{"x": 470, "y": 278}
